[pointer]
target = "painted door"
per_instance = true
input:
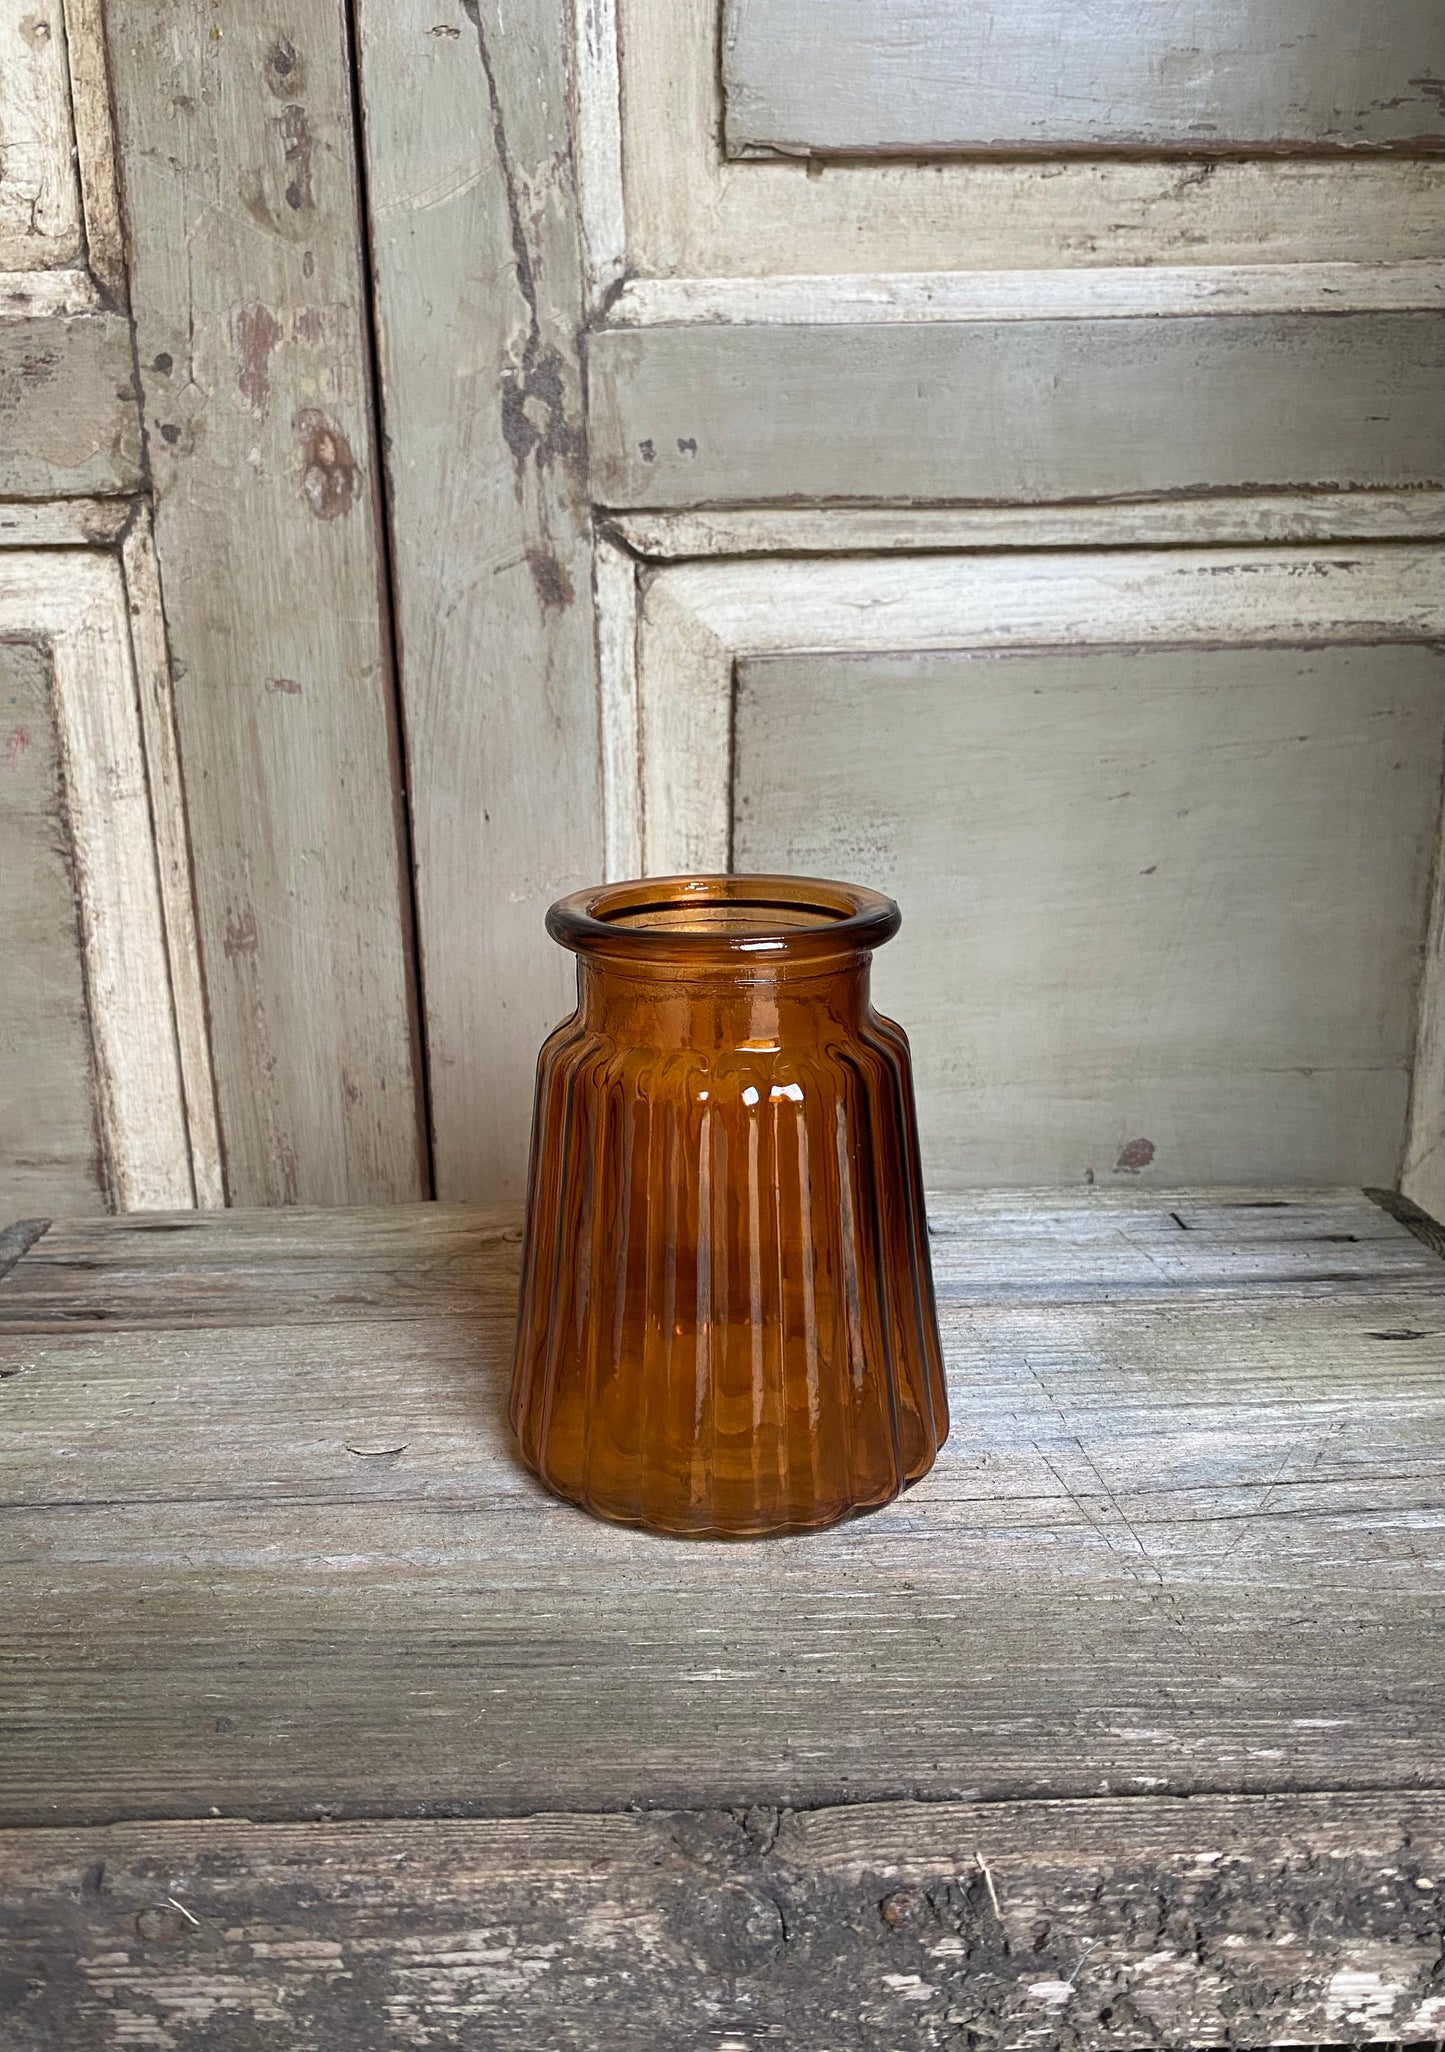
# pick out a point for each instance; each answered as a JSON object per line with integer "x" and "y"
{"x": 991, "y": 454}
{"x": 454, "y": 452}
{"x": 204, "y": 896}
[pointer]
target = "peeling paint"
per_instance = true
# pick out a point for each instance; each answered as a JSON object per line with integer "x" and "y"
{"x": 285, "y": 69}
{"x": 255, "y": 331}
{"x": 534, "y": 412}
{"x": 328, "y": 468}
{"x": 1134, "y": 1155}
{"x": 296, "y": 141}
{"x": 554, "y": 586}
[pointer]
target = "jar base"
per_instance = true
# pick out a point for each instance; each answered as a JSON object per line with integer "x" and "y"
{"x": 668, "y": 1528}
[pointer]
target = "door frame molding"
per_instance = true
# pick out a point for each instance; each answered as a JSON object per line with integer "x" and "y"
{"x": 95, "y": 612}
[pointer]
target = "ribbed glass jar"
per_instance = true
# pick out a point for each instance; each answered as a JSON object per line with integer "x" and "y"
{"x": 727, "y": 1324}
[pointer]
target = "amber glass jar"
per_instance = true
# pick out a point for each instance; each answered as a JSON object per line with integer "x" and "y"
{"x": 727, "y": 1323}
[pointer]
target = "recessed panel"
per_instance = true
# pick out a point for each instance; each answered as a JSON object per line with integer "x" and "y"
{"x": 1015, "y": 410}
{"x": 916, "y": 76}
{"x": 40, "y": 224}
{"x": 1163, "y": 909}
{"x": 50, "y": 1157}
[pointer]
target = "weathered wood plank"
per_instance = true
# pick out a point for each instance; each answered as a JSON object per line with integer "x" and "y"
{"x": 95, "y": 163}
{"x": 844, "y": 531}
{"x": 50, "y": 1152}
{"x": 1015, "y": 410}
{"x": 1081, "y": 1246}
{"x": 491, "y": 538}
{"x": 273, "y": 1566}
{"x": 239, "y": 166}
{"x": 1092, "y": 292}
{"x": 174, "y": 875}
{"x": 1244, "y": 1921}
{"x": 1153, "y": 925}
{"x": 292, "y": 1264}
{"x": 64, "y": 523}
{"x": 941, "y": 76}
{"x": 69, "y": 422}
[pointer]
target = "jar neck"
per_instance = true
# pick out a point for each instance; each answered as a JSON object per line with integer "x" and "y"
{"x": 758, "y": 1005}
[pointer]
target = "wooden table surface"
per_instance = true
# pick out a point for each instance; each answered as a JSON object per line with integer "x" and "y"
{"x": 325, "y": 1727}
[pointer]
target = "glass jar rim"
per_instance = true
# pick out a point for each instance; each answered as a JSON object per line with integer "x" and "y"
{"x": 816, "y": 917}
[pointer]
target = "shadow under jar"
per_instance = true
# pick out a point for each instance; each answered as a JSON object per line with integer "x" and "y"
{"x": 727, "y": 1325}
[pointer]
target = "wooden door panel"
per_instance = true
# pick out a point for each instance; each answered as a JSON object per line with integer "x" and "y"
{"x": 478, "y": 282}
{"x": 107, "y": 1082}
{"x": 1153, "y": 926}
{"x": 1162, "y": 823}
{"x": 1054, "y": 75}
{"x": 237, "y": 143}
{"x": 692, "y": 211}
{"x": 1018, "y": 408}
{"x": 107, "y": 1095}
{"x": 788, "y": 390}
{"x": 52, "y": 1154}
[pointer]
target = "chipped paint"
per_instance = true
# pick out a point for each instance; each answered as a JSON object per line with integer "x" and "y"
{"x": 255, "y": 331}
{"x": 296, "y": 142}
{"x": 328, "y": 468}
{"x": 1134, "y": 1155}
{"x": 1356, "y": 1996}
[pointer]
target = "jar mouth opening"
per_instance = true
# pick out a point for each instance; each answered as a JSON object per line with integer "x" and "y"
{"x": 721, "y": 917}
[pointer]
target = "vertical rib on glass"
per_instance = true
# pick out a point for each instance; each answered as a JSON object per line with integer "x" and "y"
{"x": 726, "y": 1325}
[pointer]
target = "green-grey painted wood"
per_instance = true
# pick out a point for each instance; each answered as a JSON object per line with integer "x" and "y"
{"x": 478, "y": 300}
{"x": 1015, "y": 410}
{"x": 237, "y": 151}
{"x": 1164, "y": 909}
{"x": 933, "y": 76}
{"x": 69, "y": 422}
{"x": 265, "y": 1547}
{"x": 50, "y": 1152}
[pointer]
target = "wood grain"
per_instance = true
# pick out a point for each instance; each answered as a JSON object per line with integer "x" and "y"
{"x": 67, "y": 406}
{"x": 1100, "y": 292}
{"x": 50, "y": 1153}
{"x": 95, "y": 154}
{"x": 155, "y": 699}
{"x": 938, "y": 76}
{"x": 239, "y": 169}
{"x": 1014, "y": 410}
{"x": 693, "y": 214}
{"x": 1242, "y": 1921}
{"x": 1153, "y": 926}
{"x": 1422, "y": 1158}
{"x": 266, "y": 1548}
{"x": 479, "y": 298}
{"x": 64, "y": 523}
